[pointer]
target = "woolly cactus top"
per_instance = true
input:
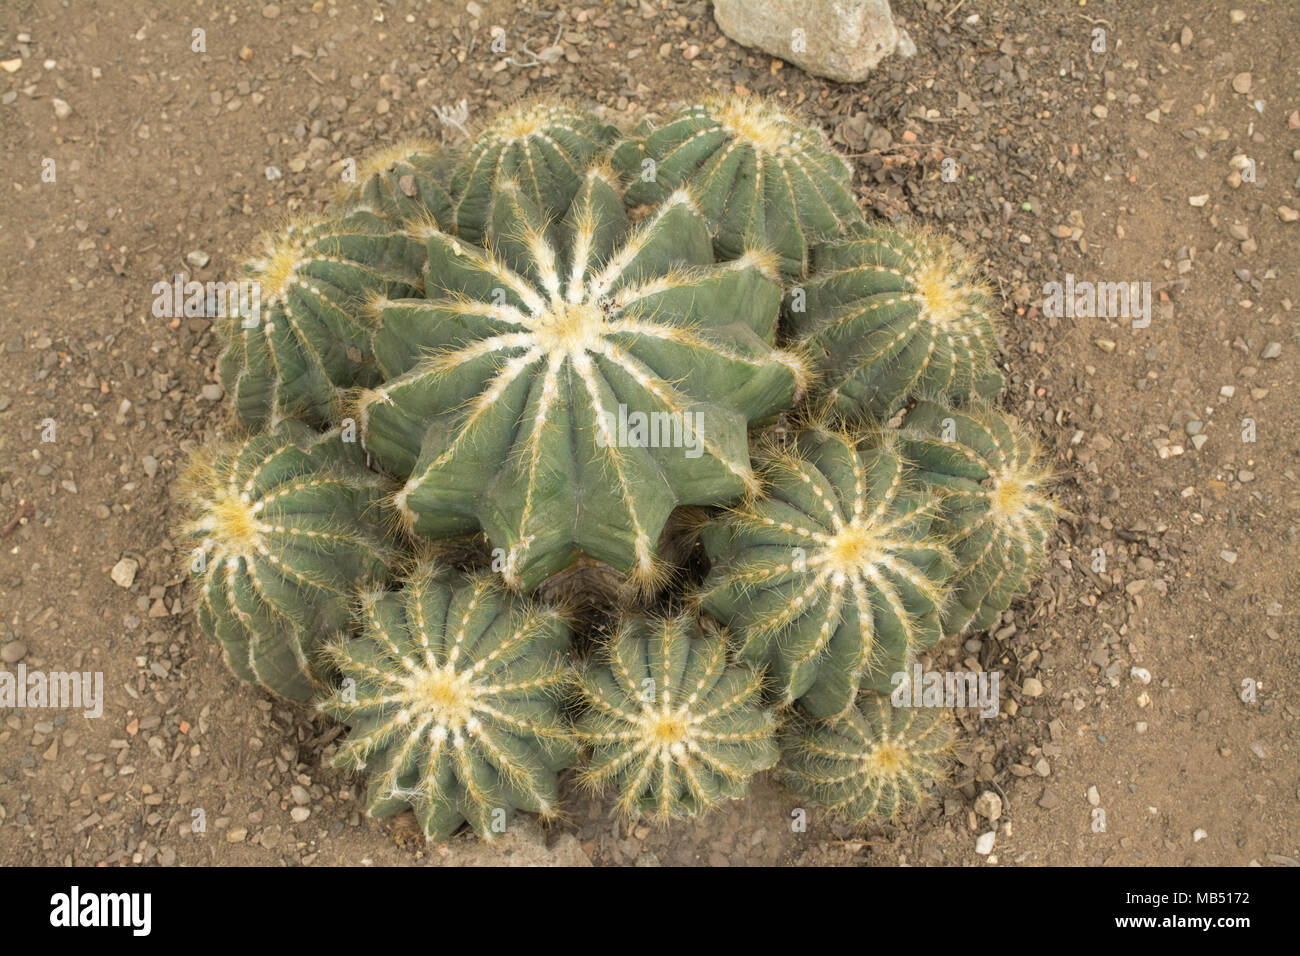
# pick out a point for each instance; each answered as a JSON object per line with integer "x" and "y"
{"x": 998, "y": 513}
{"x": 453, "y": 692}
{"x": 892, "y": 314}
{"x": 287, "y": 524}
{"x": 671, "y": 722}
{"x": 759, "y": 176}
{"x": 834, "y": 578}
{"x": 565, "y": 389}
{"x": 870, "y": 763}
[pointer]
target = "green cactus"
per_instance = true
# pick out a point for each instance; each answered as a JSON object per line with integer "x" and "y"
{"x": 565, "y": 390}
{"x": 888, "y": 314}
{"x": 997, "y": 515}
{"x": 406, "y": 183}
{"x": 670, "y": 722}
{"x": 308, "y": 341}
{"x": 870, "y": 763}
{"x": 835, "y": 578}
{"x": 544, "y": 147}
{"x": 760, "y": 178}
{"x": 284, "y": 525}
{"x": 453, "y": 694}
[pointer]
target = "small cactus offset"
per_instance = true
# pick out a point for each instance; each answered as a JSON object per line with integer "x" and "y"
{"x": 759, "y": 177}
{"x": 888, "y": 314}
{"x": 406, "y": 183}
{"x": 835, "y": 578}
{"x": 453, "y": 694}
{"x": 871, "y": 763}
{"x": 284, "y": 526}
{"x": 308, "y": 340}
{"x": 544, "y": 147}
{"x": 567, "y": 389}
{"x": 997, "y": 514}
{"x": 672, "y": 724}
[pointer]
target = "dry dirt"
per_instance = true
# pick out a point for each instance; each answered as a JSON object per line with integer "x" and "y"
{"x": 1068, "y": 161}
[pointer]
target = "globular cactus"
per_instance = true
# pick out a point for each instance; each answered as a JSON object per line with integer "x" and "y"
{"x": 284, "y": 526}
{"x": 869, "y": 764}
{"x": 760, "y": 177}
{"x": 888, "y": 314}
{"x": 569, "y": 387}
{"x": 308, "y": 339}
{"x": 406, "y": 183}
{"x": 453, "y": 693}
{"x": 670, "y": 722}
{"x": 997, "y": 513}
{"x": 544, "y": 147}
{"x": 834, "y": 578}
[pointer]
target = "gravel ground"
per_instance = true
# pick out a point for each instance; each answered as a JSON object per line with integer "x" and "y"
{"x": 1149, "y": 712}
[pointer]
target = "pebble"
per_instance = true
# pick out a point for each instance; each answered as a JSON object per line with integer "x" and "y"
{"x": 1229, "y": 556}
{"x": 1194, "y": 427}
{"x": 212, "y": 392}
{"x": 13, "y": 652}
{"x": 61, "y": 109}
{"x": 1242, "y": 82}
{"x": 1094, "y": 798}
{"x": 1199, "y": 440}
{"x": 236, "y": 835}
{"x": 300, "y": 814}
{"x": 197, "y": 258}
{"x": 989, "y": 805}
{"x": 1271, "y": 351}
{"x": 271, "y": 11}
{"x": 1287, "y": 214}
{"x": 1032, "y": 687}
{"x": 1198, "y": 835}
{"x": 123, "y": 573}
{"x": 300, "y": 795}
{"x": 1200, "y": 200}
{"x": 150, "y": 465}
{"x": 1049, "y": 800}
{"x": 984, "y": 844}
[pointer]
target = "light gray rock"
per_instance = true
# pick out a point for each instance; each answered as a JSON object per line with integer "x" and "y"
{"x": 842, "y": 40}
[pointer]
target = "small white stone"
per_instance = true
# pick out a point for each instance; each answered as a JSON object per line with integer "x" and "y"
{"x": 984, "y": 845}
{"x": 1140, "y": 674}
{"x": 989, "y": 805}
{"x": 1198, "y": 835}
{"x": 300, "y": 814}
{"x": 1200, "y": 200}
{"x": 1032, "y": 687}
{"x": 1094, "y": 798}
{"x": 123, "y": 573}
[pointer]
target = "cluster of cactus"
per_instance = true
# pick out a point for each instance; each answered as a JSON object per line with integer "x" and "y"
{"x": 564, "y": 358}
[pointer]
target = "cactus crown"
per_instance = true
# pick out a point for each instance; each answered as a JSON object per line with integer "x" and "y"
{"x": 454, "y": 702}
{"x": 870, "y": 763}
{"x": 512, "y": 386}
{"x": 286, "y": 525}
{"x": 758, "y": 176}
{"x": 834, "y": 578}
{"x": 544, "y": 147}
{"x": 893, "y": 314}
{"x": 308, "y": 341}
{"x": 998, "y": 514}
{"x": 670, "y": 722}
